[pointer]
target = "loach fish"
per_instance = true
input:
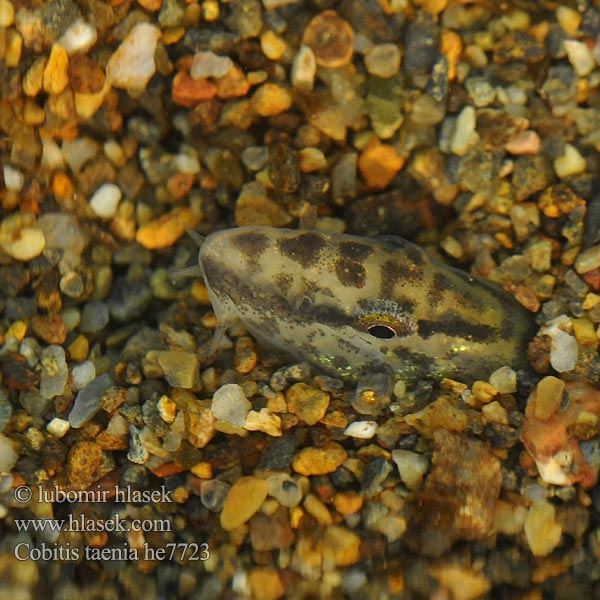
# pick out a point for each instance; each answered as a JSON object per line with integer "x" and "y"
{"x": 352, "y": 305}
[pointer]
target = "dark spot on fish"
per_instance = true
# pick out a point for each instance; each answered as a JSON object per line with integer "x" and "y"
{"x": 331, "y": 316}
{"x": 398, "y": 271}
{"x": 452, "y": 325}
{"x": 252, "y": 244}
{"x": 355, "y": 250}
{"x": 284, "y": 282}
{"x": 350, "y": 273}
{"x": 303, "y": 248}
{"x": 417, "y": 360}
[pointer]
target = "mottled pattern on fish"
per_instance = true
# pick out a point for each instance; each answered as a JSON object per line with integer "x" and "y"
{"x": 354, "y": 305}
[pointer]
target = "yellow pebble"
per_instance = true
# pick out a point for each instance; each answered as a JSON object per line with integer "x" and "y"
{"x": 56, "y": 73}
{"x": 79, "y": 348}
{"x": 17, "y": 330}
{"x": 272, "y": 45}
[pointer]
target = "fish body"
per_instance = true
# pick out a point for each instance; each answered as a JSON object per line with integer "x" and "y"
{"x": 352, "y": 305}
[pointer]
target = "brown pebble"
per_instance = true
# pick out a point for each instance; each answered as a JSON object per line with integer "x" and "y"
{"x": 84, "y": 461}
{"x": 199, "y": 424}
{"x": 85, "y": 75}
{"x": 51, "y": 329}
{"x": 233, "y": 84}
{"x": 188, "y": 92}
{"x": 319, "y": 461}
{"x": 271, "y": 532}
{"x": 331, "y": 38}
{"x": 308, "y": 403}
{"x": 17, "y": 374}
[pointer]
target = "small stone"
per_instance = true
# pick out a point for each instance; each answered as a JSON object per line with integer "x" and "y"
{"x": 255, "y": 157}
{"x": 8, "y": 456}
{"x": 465, "y": 135}
{"x": 285, "y": 490}
{"x": 304, "y": 69}
{"x": 50, "y": 328}
{"x": 56, "y": 73}
{"x": 229, "y": 404}
{"x": 569, "y": 19}
{"x": 209, "y": 64}
{"x": 462, "y": 582}
{"x": 331, "y": 38}
{"x": 319, "y": 461}
{"x": 411, "y": 466}
{"x": 362, "y": 430}
{"x": 542, "y": 531}
{"x": 569, "y": 163}
{"x": 82, "y": 374}
{"x": 495, "y": 413}
{"x": 579, "y": 56}
{"x": 213, "y": 493}
{"x": 188, "y": 92}
{"x": 105, "y": 200}
{"x": 233, "y": 85}
{"x": 24, "y": 244}
{"x": 379, "y": 164}
{"x": 58, "y": 427}
{"x": 307, "y": 403}
{"x": 132, "y": 65}
{"x": 317, "y": 509}
{"x": 504, "y": 380}
{"x": 263, "y": 420}
{"x": 265, "y": 583}
{"x": 180, "y": 367}
{"x": 13, "y": 178}
{"x": 84, "y": 461}
{"x": 89, "y": 400}
{"x": 549, "y": 397}
{"x": 272, "y": 45}
{"x": 243, "y": 501}
{"x": 54, "y": 372}
{"x": 383, "y": 60}
{"x": 373, "y": 394}
{"x": 7, "y": 13}
{"x": 341, "y": 545}
{"x": 588, "y": 260}
{"x": 348, "y": 503}
{"x": 166, "y": 230}
{"x": 199, "y": 424}
{"x": 78, "y": 38}
{"x": 563, "y": 351}
{"x": 311, "y": 159}
{"x": 271, "y": 99}
{"x": 254, "y": 207}
{"x": 524, "y": 142}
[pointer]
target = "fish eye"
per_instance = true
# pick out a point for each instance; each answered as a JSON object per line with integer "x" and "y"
{"x": 383, "y": 332}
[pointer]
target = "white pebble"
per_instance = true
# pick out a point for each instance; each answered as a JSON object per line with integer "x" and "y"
{"x": 79, "y": 151}
{"x": 209, "y": 64}
{"x": 363, "y": 430}
{"x": 411, "y": 466}
{"x": 588, "y": 260}
{"x": 383, "y": 60}
{"x": 304, "y": 68}
{"x": 579, "y": 56}
{"x": 58, "y": 427}
{"x": 28, "y": 244}
{"x": 563, "y": 351}
{"x": 105, "y": 200}
{"x": 187, "y": 163}
{"x": 79, "y": 37}
{"x": 52, "y": 156}
{"x": 83, "y": 374}
{"x": 230, "y": 404}
{"x": 132, "y": 66}
{"x": 570, "y": 163}
{"x": 464, "y": 136}
{"x": 13, "y": 178}
{"x": 504, "y": 380}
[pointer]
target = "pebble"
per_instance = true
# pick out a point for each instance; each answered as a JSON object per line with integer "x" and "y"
{"x": 105, "y": 200}
{"x": 132, "y": 66}
{"x": 411, "y": 467}
{"x": 309, "y": 404}
{"x": 317, "y": 509}
{"x": 374, "y": 475}
{"x": 166, "y": 230}
{"x": 78, "y": 38}
{"x": 563, "y": 350}
{"x": 209, "y": 64}
{"x": 304, "y": 69}
{"x": 285, "y": 490}
{"x": 51, "y": 329}
{"x": 89, "y": 400}
{"x": 542, "y": 531}
{"x": 7, "y": 13}
{"x": 373, "y": 394}
{"x": 465, "y": 135}
{"x": 362, "y": 430}
{"x": 229, "y": 404}
{"x": 383, "y": 60}
{"x": 579, "y": 56}
{"x": 13, "y": 178}
{"x": 56, "y": 75}
{"x": 180, "y": 368}
{"x": 504, "y": 380}
{"x": 265, "y": 583}
{"x": 549, "y": 397}
{"x": 263, "y": 420}
{"x": 271, "y": 99}
{"x": 213, "y": 493}
{"x": 255, "y": 157}
{"x": 188, "y": 92}
{"x": 588, "y": 260}
{"x": 271, "y": 531}
{"x": 331, "y": 38}
{"x": 462, "y": 582}
{"x": 8, "y": 457}
{"x": 272, "y": 45}
{"x": 58, "y": 427}
{"x": 82, "y": 375}
{"x": 54, "y": 372}
{"x": 379, "y": 164}
{"x": 569, "y": 163}
{"x": 128, "y": 299}
{"x": 24, "y": 244}
{"x": 319, "y": 461}
{"x": 94, "y": 317}
{"x": 83, "y": 463}
{"x": 243, "y": 501}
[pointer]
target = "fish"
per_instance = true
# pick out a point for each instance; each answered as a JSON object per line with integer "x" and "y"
{"x": 353, "y": 305}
